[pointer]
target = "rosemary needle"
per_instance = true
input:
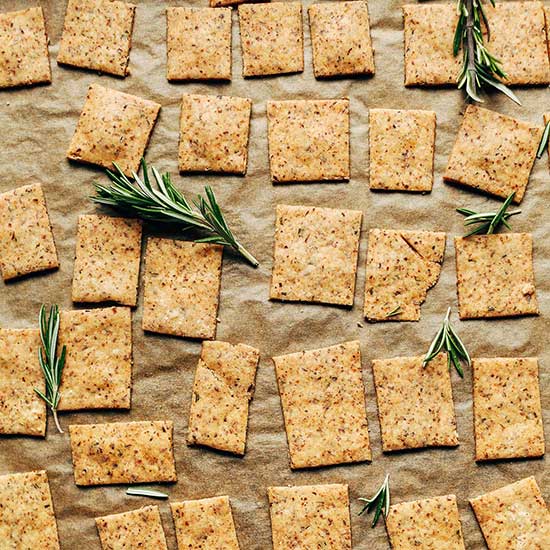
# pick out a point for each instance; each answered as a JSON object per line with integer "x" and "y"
{"x": 380, "y": 502}
{"x": 544, "y": 140}
{"x": 145, "y": 493}
{"x": 394, "y": 312}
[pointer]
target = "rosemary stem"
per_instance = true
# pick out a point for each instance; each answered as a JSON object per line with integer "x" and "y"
{"x": 56, "y": 419}
{"x": 247, "y": 255}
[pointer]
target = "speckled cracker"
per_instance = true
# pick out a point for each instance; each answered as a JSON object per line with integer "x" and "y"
{"x": 131, "y": 530}
{"x": 97, "y": 35}
{"x": 323, "y": 400}
{"x": 106, "y": 267}
{"x": 430, "y": 524}
{"x": 401, "y": 267}
{"x": 205, "y": 524}
{"x": 198, "y": 43}
{"x": 26, "y": 239}
{"x": 98, "y": 365}
{"x": 340, "y": 38}
{"x": 182, "y": 286}
{"x": 223, "y": 388}
{"x": 113, "y": 127}
{"x": 495, "y": 276}
{"x": 271, "y": 38}
{"x": 493, "y": 153}
{"x": 415, "y": 403}
{"x": 122, "y": 452}
{"x": 310, "y": 516}
{"x": 24, "y": 58}
{"x": 21, "y": 410}
{"x": 308, "y": 140}
{"x": 514, "y": 516}
{"x": 507, "y": 408}
{"x": 214, "y": 134}
{"x": 315, "y": 255}
{"x": 402, "y": 147}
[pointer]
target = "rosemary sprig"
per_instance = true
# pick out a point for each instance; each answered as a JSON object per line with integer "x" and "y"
{"x": 145, "y": 493}
{"x": 380, "y": 502}
{"x": 394, "y": 312}
{"x": 544, "y": 140}
{"x": 51, "y": 363}
{"x": 164, "y": 203}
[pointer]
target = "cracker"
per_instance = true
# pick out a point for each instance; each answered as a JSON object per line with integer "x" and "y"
{"x": 495, "y": 276}
{"x": 21, "y": 410}
{"x": 493, "y": 153}
{"x": 106, "y": 267}
{"x": 203, "y": 524}
{"x": 401, "y": 267}
{"x": 430, "y": 524}
{"x": 97, "y": 35}
{"x": 323, "y": 400}
{"x": 315, "y": 254}
{"x": 24, "y": 58}
{"x": 415, "y": 403}
{"x": 308, "y": 140}
{"x": 272, "y": 39}
{"x": 182, "y": 286}
{"x": 26, "y": 238}
{"x": 198, "y": 43}
{"x": 223, "y": 388}
{"x": 113, "y": 127}
{"x": 402, "y": 148}
{"x": 514, "y": 516}
{"x": 310, "y": 516}
{"x": 122, "y": 452}
{"x": 98, "y": 341}
{"x": 214, "y": 134}
{"x": 507, "y": 408}
{"x": 26, "y": 514}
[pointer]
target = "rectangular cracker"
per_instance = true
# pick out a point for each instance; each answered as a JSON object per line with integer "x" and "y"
{"x": 182, "y": 286}
{"x": 223, "y": 388}
{"x": 310, "y": 516}
{"x": 122, "y": 452}
{"x": 315, "y": 254}
{"x": 415, "y": 403}
{"x": 106, "y": 266}
{"x": 507, "y": 408}
{"x": 323, "y": 401}
{"x": 26, "y": 238}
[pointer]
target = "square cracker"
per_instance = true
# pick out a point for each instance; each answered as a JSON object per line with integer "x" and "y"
{"x": 507, "y": 408}
{"x": 106, "y": 267}
{"x": 308, "y": 140}
{"x": 26, "y": 514}
{"x": 182, "y": 287}
{"x": 272, "y": 39}
{"x": 494, "y": 276}
{"x": 130, "y": 530}
{"x": 122, "y": 452}
{"x": 514, "y": 516}
{"x": 214, "y": 134}
{"x": 401, "y": 267}
{"x": 203, "y": 524}
{"x": 21, "y": 410}
{"x": 430, "y": 524}
{"x": 113, "y": 127}
{"x": 340, "y": 38}
{"x": 323, "y": 400}
{"x": 223, "y": 388}
{"x": 402, "y": 147}
{"x": 415, "y": 403}
{"x": 97, "y": 35}
{"x": 24, "y": 58}
{"x": 310, "y": 516}
{"x": 493, "y": 153}
{"x": 26, "y": 238}
{"x": 315, "y": 254}
{"x": 198, "y": 43}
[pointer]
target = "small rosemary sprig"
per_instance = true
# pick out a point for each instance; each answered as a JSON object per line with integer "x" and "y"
{"x": 544, "y": 140}
{"x": 380, "y": 502}
{"x": 145, "y": 493}
{"x": 51, "y": 363}
{"x": 164, "y": 203}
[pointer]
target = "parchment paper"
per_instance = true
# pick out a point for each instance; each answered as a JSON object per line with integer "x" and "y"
{"x": 36, "y": 126}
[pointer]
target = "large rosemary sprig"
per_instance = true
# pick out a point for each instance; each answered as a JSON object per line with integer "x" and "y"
{"x": 380, "y": 502}
{"x": 164, "y": 203}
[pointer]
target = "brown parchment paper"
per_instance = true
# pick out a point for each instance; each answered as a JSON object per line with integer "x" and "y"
{"x": 36, "y": 126}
